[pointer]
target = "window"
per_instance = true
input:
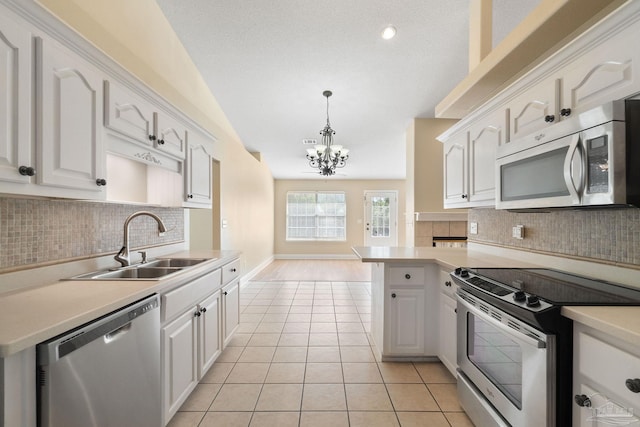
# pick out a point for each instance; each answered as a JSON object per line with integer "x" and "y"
{"x": 316, "y": 216}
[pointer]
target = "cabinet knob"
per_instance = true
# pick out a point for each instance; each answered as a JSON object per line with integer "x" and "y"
{"x": 197, "y": 314}
{"x": 464, "y": 196}
{"x": 407, "y": 276}
{"x": 393, "y": 295}
{"x": 550, "y": 118}
{"x": 225, "y": 292}
{"x": 161, "y": 142}
{"x": 447, "y": 284}
{"x": 582, "y": 400}
{"x": 203, "y": 310}
{"x": 26, "y": 171}
{"x": 101, "y": 182}
{"x": 233, "y": 270}
{"x": 189, "y": 196}
{"x": 152, "y": 137}
{"x": 565, "y": 112}
{"x": 633, "y": 385}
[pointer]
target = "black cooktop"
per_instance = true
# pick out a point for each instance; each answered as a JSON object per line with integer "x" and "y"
{"x": 556, "y": 287}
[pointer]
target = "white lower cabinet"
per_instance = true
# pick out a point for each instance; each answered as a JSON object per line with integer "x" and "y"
{"x": 209, "y": 341}
{"x": 404, "y": 307}
{"x": 447, "y": 344}
{"x": 231, "y": 310}
{"x": 606, "y": 370}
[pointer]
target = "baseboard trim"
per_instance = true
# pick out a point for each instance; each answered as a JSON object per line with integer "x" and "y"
{"x": 251, "y": 274}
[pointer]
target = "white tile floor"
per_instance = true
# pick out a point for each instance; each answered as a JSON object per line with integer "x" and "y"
{"x": 302, "y": 357}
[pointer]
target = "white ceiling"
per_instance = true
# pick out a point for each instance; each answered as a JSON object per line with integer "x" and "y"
{"x": 268, "y": 62}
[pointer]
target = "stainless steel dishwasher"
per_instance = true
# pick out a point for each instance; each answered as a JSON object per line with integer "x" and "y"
{"x": 105, "y": 373}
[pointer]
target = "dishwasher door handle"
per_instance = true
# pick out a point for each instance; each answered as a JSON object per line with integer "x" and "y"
{"x": 113, "y": 335}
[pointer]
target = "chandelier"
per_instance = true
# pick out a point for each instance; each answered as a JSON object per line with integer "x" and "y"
{"x": 326, "y": 157}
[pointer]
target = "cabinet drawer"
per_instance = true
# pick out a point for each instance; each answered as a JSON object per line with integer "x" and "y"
{"x": 406, "y": 276}
{"x": 230, "y": 271}
{"x": 178, "y": 300}
{"x": 447, "y": 285}
{"x": 608, "y": 367}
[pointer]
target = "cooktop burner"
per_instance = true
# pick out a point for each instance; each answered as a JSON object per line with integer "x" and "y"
{"x": 536, "y": 295}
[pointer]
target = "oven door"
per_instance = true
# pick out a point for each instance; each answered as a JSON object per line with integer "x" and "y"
{"x": 506, "y": 365}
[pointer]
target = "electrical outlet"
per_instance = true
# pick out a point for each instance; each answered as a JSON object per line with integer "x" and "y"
{"x": 473, "y": 228}
{"x": 517, "y": 232}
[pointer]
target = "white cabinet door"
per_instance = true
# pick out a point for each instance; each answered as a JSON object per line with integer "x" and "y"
{"x": 128, "y": 114}
{"x": 455, "y": 171}
{"x": 15, "y": 101}
{"x": 70, "y": 121}
{"x": 447, "y": 334}
{"x": 534, "y": 110}
{"x": 179, "y": 341}
{"x": 230, "y": 309}
{"x": 484, "y": 139}
{"x": 210, "y": 343}
{"x": 171, "y": 136}
{"x": 406, "y": 325}
{"x": 608, "y": 72}
{"x": 199, "y": 175}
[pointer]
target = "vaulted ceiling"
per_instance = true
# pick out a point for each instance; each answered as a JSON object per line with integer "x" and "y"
{"x": 267, "y": 64}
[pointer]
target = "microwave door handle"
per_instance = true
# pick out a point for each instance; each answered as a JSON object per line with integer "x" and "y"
{"x": 569, "y": 172}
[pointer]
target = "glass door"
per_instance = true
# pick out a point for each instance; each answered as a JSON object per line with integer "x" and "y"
{"x": 381, "y": 222}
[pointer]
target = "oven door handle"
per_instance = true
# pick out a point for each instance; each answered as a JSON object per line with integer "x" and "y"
{"x": 519, "y": 336}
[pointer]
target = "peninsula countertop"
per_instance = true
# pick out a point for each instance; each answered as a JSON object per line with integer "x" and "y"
{"x": 621, "y": 322}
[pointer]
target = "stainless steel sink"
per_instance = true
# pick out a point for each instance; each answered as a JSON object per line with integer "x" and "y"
{"x": 175, "y": 262}
{"x": 152, "y": 270}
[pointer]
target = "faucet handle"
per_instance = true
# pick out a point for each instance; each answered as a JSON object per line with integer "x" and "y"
{"x": 144, "y": 256}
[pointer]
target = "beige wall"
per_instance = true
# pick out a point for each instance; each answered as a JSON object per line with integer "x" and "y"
{"x": 137, "y": 35}
{"x": 354, "y": 190}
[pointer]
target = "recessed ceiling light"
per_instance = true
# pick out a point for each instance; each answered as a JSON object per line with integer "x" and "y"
{"x": 389, "y": 32}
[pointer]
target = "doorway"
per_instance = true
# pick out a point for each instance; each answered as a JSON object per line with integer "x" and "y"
{"x": 381, "y": 218}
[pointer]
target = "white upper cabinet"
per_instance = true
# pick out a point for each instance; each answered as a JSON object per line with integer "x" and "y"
{"x": 534, "y": 110}
{"x": 170, "y": 135}
{"x": 610, "y": 71}
{"x": 484, "y": 139}
{"x": 69, "y": 109}
{"x": 15, "y": 103}
{"x": 199, "y": 174}
{"x": 128, "y": 114}
{"x": 455, "y": 170}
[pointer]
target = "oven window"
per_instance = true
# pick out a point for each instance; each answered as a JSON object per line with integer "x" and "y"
{"x": 497, "y": 356}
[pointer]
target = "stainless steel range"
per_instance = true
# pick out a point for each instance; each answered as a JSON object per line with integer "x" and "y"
{"x": 514, "y": 346}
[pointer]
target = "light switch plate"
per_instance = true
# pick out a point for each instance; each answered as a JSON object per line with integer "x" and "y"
{"x": 517, "y": 232}
{"x": 473, "y": 228}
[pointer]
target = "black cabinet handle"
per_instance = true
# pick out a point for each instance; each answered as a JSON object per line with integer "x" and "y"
{"x": 582, "y": 400}
{"x": 189, "y": 196}
{"x": 152, "y": 137}
{"x": 197, "y": 314}
{"x": 161, "y": 142}
{"x": 447, "y": 284}
{"x": 203, "y": 310}
{"x": 233, "y": 270}
{"x": 633, "y": 385}
{"x": 101, "y": 182}
{"x": 26, "y": 171}
{"x": 565, "y": 112}
{"x": 550, "y": 118}
{"x": 464, "y": 196}
{"x": 225, "y": 292}
{"x": 407, "y": 276}
{"x": 393, "y": 295}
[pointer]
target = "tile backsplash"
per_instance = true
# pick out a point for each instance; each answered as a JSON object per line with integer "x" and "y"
{"x": 608, "y": 235}
{"x": 36, "y": 232}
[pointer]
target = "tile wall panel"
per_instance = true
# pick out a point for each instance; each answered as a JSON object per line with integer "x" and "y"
{"x": 34, "y": 231}
{"x": 609, "y": 235}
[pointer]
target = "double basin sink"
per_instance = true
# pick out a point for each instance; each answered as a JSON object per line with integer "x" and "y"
{"x": 152, "y": 270}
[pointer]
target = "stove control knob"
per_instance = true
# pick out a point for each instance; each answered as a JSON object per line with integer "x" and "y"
{"x": 457, "y": 271}
{"x": 533, "y": 301}
{"x": 519, "y": 296}
{"x": 464, "y": 273}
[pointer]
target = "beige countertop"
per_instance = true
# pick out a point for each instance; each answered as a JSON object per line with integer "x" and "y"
{"x": 31, "y": 316}
{"x": 621, "y": 322}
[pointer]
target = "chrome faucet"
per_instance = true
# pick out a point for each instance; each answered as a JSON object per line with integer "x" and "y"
{"x": 123, "y": 256}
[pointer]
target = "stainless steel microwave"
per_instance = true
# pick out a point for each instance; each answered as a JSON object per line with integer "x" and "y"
{"x": 592, "y": 159}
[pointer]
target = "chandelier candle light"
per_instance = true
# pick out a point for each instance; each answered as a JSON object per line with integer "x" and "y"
{"x": 327, "y": 156}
